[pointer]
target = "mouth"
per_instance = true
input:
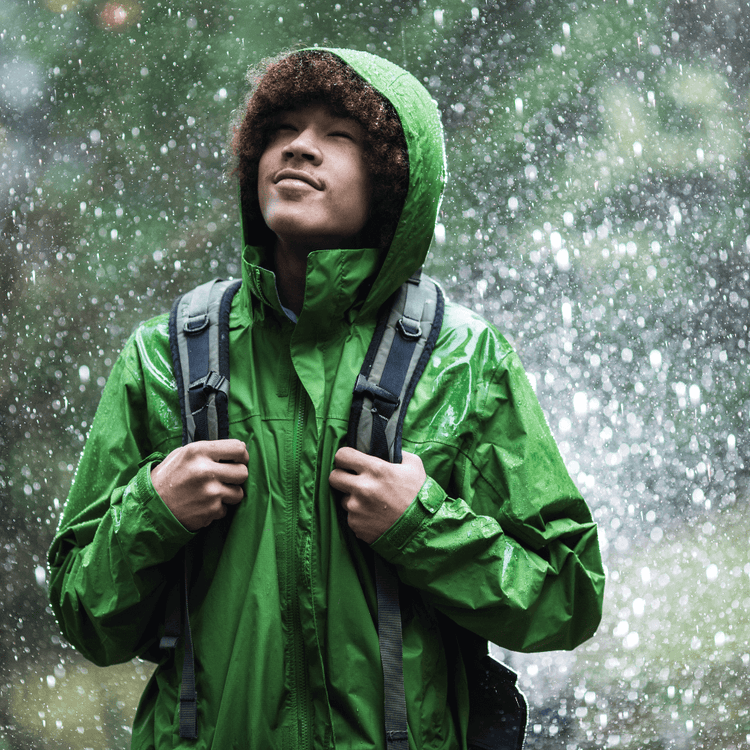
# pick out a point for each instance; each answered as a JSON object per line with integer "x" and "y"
{"x": 299, "y": 175}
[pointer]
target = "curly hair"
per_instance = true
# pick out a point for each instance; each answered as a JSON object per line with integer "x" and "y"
{"x": 308, "y": 77}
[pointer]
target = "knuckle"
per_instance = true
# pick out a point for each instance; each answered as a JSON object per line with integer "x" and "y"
{"x": 369, "y": 488}
{"x": 191, "y": 449}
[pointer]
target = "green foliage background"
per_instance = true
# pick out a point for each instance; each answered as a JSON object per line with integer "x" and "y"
{"x": 597, "y": 213}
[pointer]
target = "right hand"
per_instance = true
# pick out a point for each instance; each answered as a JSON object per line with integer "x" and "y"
{"x": 197, "y": 481}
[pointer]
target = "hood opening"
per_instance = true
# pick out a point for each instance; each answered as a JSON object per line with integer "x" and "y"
{"x": 406, "y": 150}
{"x": 313, "y": 76}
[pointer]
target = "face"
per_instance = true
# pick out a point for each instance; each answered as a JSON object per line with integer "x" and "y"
{"x": 313, "y": 186}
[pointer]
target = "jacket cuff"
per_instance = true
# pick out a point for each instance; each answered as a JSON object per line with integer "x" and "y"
{"x": 428, "y": 501}
{"x": 155, "y": 514}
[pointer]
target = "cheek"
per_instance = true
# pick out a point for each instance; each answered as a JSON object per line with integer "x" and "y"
{"x": 357, "y": 187}
{"x": 364, "y": 195}
{"x": 263, "y": 198}
{"x": 263, "y": 183}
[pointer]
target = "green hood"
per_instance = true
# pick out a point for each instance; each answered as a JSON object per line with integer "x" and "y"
{"x": 331, "y": 271}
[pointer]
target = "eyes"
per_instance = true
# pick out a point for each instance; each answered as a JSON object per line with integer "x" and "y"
{"x": 288, "y": 128}
{"x": 341, "y": 134}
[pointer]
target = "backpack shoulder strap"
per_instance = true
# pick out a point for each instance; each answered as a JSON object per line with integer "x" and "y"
{"x": 398, "y": 354}
{"x": 199, "y": 340}
{"x": 401, "y": 346}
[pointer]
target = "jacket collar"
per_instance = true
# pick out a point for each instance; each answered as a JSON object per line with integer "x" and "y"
{"x": 338, "y": 283}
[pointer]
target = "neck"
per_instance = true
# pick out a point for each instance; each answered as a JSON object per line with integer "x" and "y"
{"x": 290, "y": 264}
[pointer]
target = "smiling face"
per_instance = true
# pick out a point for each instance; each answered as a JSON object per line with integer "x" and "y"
{"x": 313, "y": 185}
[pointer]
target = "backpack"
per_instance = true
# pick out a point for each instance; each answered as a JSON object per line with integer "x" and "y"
{"x": 401, "y": 346}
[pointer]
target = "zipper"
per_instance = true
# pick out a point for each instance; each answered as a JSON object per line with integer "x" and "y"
{"x": 294, "y": 563}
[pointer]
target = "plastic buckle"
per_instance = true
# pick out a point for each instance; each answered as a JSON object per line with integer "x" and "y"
{"x": 411, "y": 335}
{"x": 212, "y": 382}
{"x": 374, "y": 391}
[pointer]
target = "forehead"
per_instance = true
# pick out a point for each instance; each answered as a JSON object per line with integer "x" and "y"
{"x": 318, "y": 112}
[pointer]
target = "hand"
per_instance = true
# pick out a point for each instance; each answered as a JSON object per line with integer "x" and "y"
{"x": 199, "y": 480}
{"x": 376, "y": 493}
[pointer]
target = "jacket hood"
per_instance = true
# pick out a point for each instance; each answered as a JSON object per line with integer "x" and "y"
{"x": 348, "y": 275}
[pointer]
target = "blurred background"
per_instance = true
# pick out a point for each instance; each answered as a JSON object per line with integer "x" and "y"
{"x": 597, "y": 213}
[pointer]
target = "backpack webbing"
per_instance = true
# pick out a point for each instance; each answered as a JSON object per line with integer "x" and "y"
{"x": 398, "y": 353}
{"x": 199, "y": 340}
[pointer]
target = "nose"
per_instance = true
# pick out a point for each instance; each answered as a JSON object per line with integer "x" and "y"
{"x": 304, "y": 146}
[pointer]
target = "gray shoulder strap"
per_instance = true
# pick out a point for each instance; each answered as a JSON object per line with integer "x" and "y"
{"x": 199, "y": 340}
{"x": 400, "y": 348}
{"x": 199, "y": 336}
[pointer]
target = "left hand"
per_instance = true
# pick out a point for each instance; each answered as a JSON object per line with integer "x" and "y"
{"x": 376, "y": 492}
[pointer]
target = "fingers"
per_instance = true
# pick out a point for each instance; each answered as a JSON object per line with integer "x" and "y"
{"x": 224, "y": 460}
{"x": 212, "y": 505}
{"x": 227, "y": 451}
{"x": 231, "y": 473}
{"x": 343, "y": 481}
{"x": 221, "y": 493}
{"x": 375, "y": 493}
{"x": 352, "y": 460}
{"x": 351, "y": 504}
{"x": 233, "y": 493}
{"x": 200, "y": 480}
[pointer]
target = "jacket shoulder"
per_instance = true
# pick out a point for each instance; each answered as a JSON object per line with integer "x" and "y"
{"x": 476, "y": 336}
{"x": 154, "y": 331}
{"x": 145, "y": 366}
{"x": 466, "y": 378}
{"x": 148, "y": 348}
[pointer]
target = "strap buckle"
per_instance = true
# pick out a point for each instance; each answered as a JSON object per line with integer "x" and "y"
{"x": 195, "y": 325}
{"x": 375, "y": 391}
{"x": 412, "y": 333}
{"x": 211, "y": 382}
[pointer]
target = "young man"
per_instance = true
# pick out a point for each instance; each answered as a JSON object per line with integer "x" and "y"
{"x": 341, "y": 168}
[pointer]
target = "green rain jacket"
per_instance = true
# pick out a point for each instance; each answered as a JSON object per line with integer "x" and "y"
{"x": 282, "y": 600}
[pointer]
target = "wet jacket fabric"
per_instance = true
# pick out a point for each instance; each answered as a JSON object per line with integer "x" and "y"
{"x": 282, "y": 598}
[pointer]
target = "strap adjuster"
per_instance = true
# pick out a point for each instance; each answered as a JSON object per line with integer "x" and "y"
{"x": 211, "y": 382}
{"x": 413, "y": 332}
{"x": 374, "y": 391}
{"x": 195, "y": 325}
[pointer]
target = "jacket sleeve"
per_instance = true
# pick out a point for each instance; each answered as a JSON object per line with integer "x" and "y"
{"x": 110, "y": 559}
{"x": 515, "y": 557}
